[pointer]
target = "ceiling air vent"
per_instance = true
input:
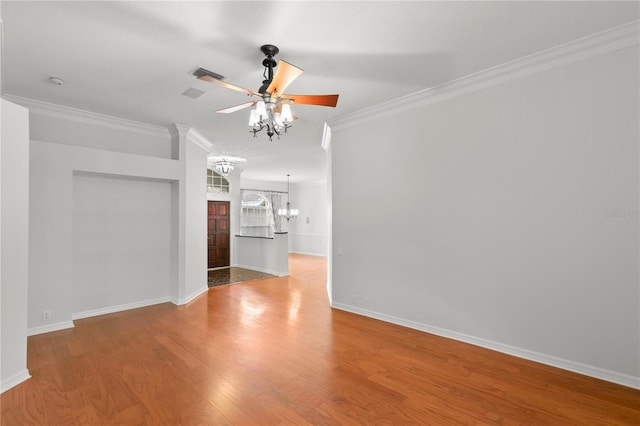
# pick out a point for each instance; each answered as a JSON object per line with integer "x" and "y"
{"x": 193, "y": 93}
{"x": 199, "y": 72}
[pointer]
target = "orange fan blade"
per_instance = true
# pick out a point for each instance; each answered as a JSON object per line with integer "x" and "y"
{"x": 321, "y": 100}
{"x": 236, "y": 108}
{"x": 228, "y": 85}
{"x": 285, "y": 74}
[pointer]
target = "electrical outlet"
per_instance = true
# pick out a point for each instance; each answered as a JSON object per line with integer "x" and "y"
{"x": 46, "y": 315}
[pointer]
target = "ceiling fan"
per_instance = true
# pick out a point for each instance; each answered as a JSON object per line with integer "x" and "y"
{"x": 273, "y": 107}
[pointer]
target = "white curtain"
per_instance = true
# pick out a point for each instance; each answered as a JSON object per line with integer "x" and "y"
{"x": 276, "y": 199}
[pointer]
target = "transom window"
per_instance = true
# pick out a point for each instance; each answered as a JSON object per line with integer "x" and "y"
{"x": 216, "y": 183}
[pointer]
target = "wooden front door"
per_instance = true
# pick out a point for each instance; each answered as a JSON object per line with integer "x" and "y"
{"x": 218, "y": 233}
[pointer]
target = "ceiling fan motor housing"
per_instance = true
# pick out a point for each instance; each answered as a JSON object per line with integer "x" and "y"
{"x": 269, "y": 50}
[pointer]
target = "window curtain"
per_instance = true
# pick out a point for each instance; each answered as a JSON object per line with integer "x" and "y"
{"x": 276, "y": 199}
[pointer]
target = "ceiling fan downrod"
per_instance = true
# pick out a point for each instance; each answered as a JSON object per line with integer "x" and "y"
{"x": 269, "y": 63}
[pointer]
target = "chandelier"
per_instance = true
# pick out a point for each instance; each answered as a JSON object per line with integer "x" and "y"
{"x": 275, "y": 117}
{"x": 224, "y": 165}
{"x": 288, "y": 213}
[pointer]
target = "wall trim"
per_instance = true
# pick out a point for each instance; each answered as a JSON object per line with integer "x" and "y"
{"x": 565, "y": 364}
{"x": 607, "y": 41}
{"x": 306, "y": 253}
{"x": 14, "y": 380}
{"x": 119, "y": 308}
{"x": 194, "y": 136}
{"x": 184, "y": 301}
{"x": 88, "y": 117}
{"x": 49, "y": 328}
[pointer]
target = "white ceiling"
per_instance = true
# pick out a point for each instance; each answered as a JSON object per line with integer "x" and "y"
{"x": 133, "y": 59}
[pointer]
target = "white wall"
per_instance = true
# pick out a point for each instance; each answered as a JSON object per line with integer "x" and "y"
{"x": 148, "y": 211}
{"x": 262, "y": 185}
{"x": 70, "y": 126}
{"x": 61, "y": 176}
{"x": 327, "y": 146}
{"x": 194, "y": 216}
{"x": 14, "y": 243}
{"x": 268, "y": 255}
{"x": 308, "y": 233}
{"x": 121, "y": 241}
{"x": 511, "y": 217}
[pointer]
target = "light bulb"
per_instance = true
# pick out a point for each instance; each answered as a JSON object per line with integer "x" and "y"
{"x": 278, "y": 119}
{"x": 261, "y": 110}
{"x": 253, "y": 118}
{"x": 286, "y": 113}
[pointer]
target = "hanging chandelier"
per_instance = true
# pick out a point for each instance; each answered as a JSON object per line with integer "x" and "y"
{"x": 288, "y": 213}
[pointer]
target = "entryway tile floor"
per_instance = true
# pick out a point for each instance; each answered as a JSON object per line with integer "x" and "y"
{"x": 232, "y": 275}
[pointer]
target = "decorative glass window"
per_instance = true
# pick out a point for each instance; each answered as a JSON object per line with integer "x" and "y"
{"x": 216, "y": 183}
{"x": 256, "y": 217}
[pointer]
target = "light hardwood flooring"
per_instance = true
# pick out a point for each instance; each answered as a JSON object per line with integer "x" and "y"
{"x": 273, "y": 352}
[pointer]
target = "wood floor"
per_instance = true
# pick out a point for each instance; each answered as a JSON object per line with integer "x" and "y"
{"x": 272, "y": 352}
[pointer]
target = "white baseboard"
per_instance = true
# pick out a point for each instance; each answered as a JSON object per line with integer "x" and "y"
{"x": 49, "y": 328}
{"x": 14, "y": 380}
{"x": 189, "y": 298}
{"x": 119, "y": 308}
{"x": 565, "y": 364}
{"x": 308, "y": 253}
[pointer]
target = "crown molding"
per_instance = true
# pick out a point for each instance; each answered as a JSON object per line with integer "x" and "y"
{"x": 194, "y": 136}
{"x": 87, "y": 117}
{"x": 190, "y": 134}
{"x": 607, "y": 41}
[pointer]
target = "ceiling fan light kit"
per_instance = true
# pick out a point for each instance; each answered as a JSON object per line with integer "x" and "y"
{"x": 264, "y": 116}
{"x": 273, "y": 111}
